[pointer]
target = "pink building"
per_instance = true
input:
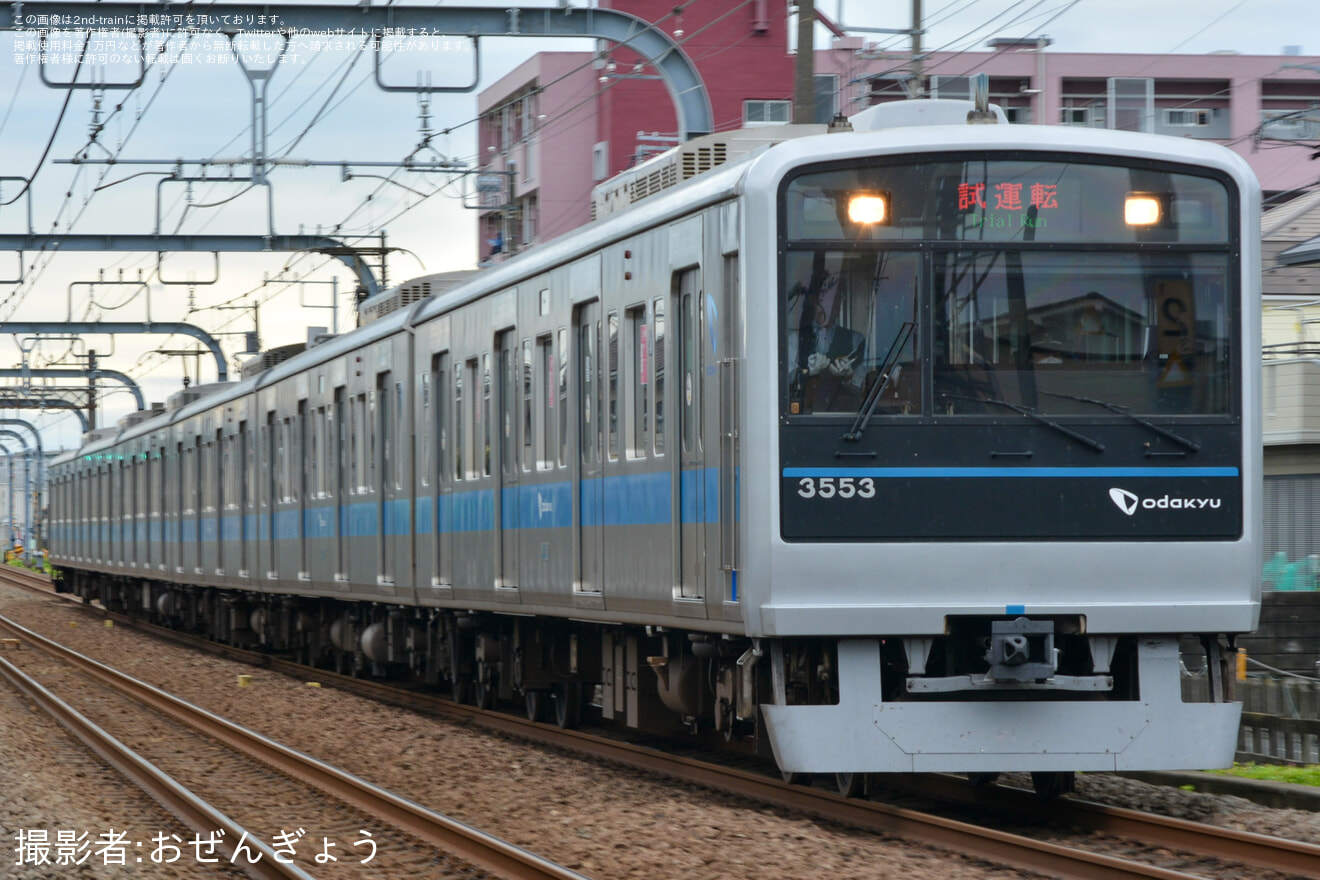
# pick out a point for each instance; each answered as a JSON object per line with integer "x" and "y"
{"x": 562, "y": 122}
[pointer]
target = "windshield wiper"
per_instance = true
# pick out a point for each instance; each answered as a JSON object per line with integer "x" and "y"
{"x": 1032, "y": 414}
{"x": 881, "y": 383}
{"x": 1127, "y": 413}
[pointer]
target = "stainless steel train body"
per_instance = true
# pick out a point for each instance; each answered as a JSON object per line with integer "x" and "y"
{"x": 962, "y": 521}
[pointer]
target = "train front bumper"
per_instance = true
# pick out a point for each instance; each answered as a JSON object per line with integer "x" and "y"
{"x": 863, "y": 734}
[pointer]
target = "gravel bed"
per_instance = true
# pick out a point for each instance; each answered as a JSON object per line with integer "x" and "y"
{"x": 604, "y": 821}
{"x": 53, "y": 785}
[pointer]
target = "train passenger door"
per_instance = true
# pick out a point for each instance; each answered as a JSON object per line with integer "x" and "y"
{"x": 591, "y": 495}
{"x": 692, "y": 495}
{"x": 506, "y": 432}
{"x": 302, "y": 461}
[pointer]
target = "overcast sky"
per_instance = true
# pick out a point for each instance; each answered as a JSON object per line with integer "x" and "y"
{"x": 325, "y": 107}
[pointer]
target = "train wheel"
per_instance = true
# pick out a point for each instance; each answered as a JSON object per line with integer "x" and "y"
{"x": 793, "y": 778}
{"x": 486, "y": 691}
{"x": 567, "y": 698}
{"x": 535, "y": 702}
{"x": 849, "y": 784}
{"x": 1051, "y": 785}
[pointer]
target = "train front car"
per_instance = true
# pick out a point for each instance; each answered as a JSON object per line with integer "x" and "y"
{"x": 1011, "y": 413}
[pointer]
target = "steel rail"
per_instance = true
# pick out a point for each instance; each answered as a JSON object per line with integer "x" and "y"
{"x": 1291, "y": 857}
{"x": 1001, "y": 847}
{"x": 194, "y": 812}
{"x": 1297, "y": 858}
{"x": 457, "y": 838}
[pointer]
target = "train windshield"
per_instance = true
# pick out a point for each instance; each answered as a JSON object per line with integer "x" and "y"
{"x": 958, "y": 286}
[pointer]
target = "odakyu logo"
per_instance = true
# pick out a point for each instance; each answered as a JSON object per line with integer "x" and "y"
{"x": 1128, "y": 502}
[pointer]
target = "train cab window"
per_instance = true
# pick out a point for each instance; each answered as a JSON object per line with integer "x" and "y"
{"x": 1139, "y": 331}
{"x": 528, "y": 434}
{"x": 639, "y": 401}
{"x": 563, "y": 398}
{"x": 612, "y": 325}
{"x": 658, "y": 361}
{"x": 545, "y": 360}
{"x": 844, "y": 313}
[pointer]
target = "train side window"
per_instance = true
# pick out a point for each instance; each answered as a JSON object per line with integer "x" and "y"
{"x": 588, "y": 431}
{"x": 423, "y": 435}
{"x": 639, "y": 402}
{"x": 440, "y": 372}
{"x": 545, "y": 359}
{"x": 472, "y": 436}
{"x": 299, "y": 468}
{"x": 339, "y": 431}
{"x": 385, "y": 429}
{"x": 563, "y": 397}
{"x": 508, "y": 377}
{"x": 251, "y": 469}
{"x": 314, "y": 453}
{"x": 487, "y": 436}
{"x": 283, "y": 461}
{"x": 612, "y": 323}
{"x": 399, "y": 433}
{"x": 189, "y": 479}
{"x": 220, "y": 474}
{"x": 369, "y": 465}
{"x": 354, "y": 430}
{"x": 458, "y": 421}
{"x": 689, "y": 389}
{"x": 658, "y": 309}
{"x": 528, "y": 434}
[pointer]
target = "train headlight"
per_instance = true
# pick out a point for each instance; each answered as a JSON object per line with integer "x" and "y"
{"x": 1142, "y": 209}
{"x": 868, "y": 209}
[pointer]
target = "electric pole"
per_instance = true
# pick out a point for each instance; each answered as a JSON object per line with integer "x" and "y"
{"x": 804, "y": 73}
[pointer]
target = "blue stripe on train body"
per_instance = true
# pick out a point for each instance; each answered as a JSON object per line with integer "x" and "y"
{"x": 624, "y": 500}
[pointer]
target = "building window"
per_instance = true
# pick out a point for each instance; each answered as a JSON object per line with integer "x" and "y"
{"x": 1076, "y": 116}
{"x": 826, "y": 95}
{"x": 767, "y": 112}
{"x": 1187, "y": 117}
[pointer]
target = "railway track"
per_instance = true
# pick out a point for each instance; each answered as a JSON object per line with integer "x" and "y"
{"x": 1258, "y": 853}
{"x": 297, "y": 781}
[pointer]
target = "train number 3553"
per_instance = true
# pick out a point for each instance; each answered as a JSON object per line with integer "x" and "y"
{"x": 836, "y": 487}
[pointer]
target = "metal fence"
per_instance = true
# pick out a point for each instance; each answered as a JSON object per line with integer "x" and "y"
{"x": 1280, "y": 720}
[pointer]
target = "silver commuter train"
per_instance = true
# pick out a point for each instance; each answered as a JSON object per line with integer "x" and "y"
{"x": 920, "y": 448}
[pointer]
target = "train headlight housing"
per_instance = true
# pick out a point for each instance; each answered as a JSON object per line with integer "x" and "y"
{"x": 868, "y": 209}
{"x": 1142, "y": 209}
